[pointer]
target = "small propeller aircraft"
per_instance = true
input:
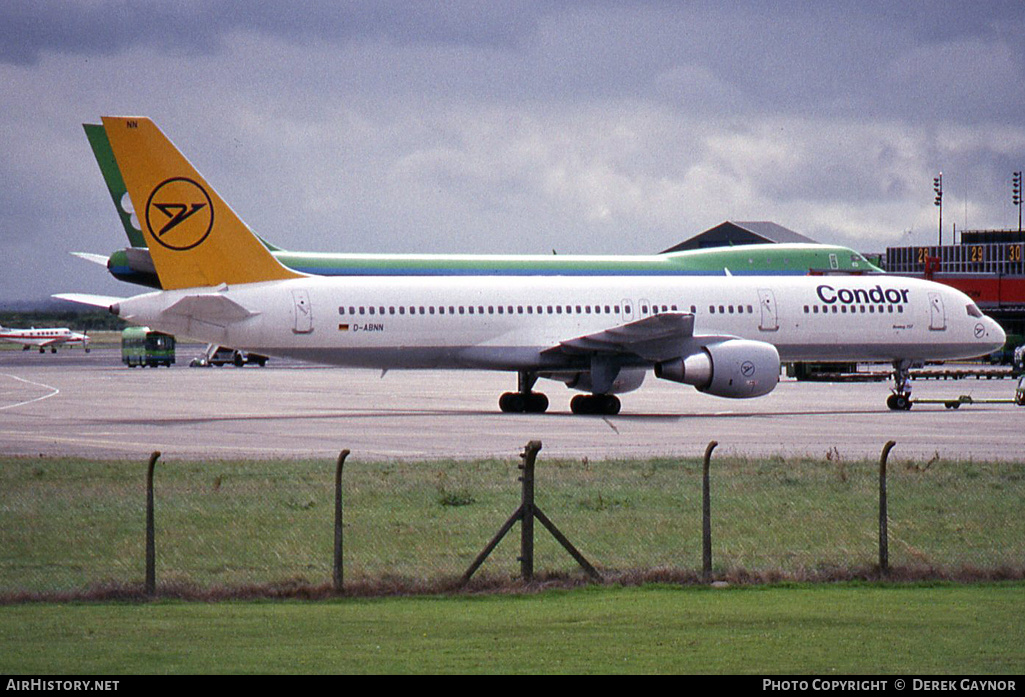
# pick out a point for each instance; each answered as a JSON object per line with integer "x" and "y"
{"x": 48, "y": 338}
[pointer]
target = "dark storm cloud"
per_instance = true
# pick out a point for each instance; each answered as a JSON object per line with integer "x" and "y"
{"x": 33, "y": 28}
{"x": 609, "y": 127}
{"x": 914, "y": 60}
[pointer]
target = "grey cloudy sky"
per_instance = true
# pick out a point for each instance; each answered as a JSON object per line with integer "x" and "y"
{"x": 514, "y": 127}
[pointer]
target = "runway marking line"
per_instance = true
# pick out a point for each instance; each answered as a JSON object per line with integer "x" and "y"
{"x": 54, "y": 391}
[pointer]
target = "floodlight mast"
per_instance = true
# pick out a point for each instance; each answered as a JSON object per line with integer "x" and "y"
{"x": 1016, "y": 194}
{"x": 937, "y": 187}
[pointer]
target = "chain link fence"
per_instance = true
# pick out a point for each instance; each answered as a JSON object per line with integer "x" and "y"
{"x": 74, "y": 526}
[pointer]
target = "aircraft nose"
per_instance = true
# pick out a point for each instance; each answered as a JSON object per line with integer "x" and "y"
{"x": 997, "y": 332}
{"x": 990, "y": 334}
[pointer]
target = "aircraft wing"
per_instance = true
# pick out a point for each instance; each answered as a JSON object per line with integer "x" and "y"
{"x": 656, "y": 338}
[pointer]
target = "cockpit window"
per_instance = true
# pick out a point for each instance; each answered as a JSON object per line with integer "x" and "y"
{"x": 973, "y": 310}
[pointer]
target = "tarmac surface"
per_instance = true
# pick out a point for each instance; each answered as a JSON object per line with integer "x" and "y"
{"x": 89, "y": 405}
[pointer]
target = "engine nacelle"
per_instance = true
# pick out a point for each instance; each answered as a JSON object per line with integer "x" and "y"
{"x": 628, "y": 380}
{"x": 735, "y": 368}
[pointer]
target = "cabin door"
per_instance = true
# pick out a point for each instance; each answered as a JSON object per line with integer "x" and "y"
{"x": 303, "y": 312}
{"x": 628, "y": 310}
{"x": 767, "y": 302}
{"x": 937, "y": 312}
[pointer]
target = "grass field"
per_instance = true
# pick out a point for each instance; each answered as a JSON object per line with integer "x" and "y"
{"x": 73, "y": 528}
{"x": 70, "y": 525}
{"x": 825, "y": 629}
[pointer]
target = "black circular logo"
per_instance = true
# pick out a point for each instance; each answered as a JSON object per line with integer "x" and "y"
{"x": 747, "y": 369}
{"x": 179, "y": 214}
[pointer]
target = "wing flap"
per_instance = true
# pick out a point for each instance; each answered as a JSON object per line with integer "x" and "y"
{"x": 653, "y": 338}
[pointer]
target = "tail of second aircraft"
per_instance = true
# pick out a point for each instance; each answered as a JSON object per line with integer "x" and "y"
{"x": 194, "y": 237}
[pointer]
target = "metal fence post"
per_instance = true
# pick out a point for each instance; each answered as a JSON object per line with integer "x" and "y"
{"x": 525, "y": 514}
{"x": 884, "y": 550}
{"x": 529, "y": 456}
{"x": 151, "y": 554}
{"x": 338, "y": 571}
{"x": 706, "y": 515}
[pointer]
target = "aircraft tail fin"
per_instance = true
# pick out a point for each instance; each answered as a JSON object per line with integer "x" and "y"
{"x": 194, "y": 237}
{"x": 115, "y": 183}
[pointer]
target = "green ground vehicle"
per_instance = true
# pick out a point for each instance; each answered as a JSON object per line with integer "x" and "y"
{"x": 144, "y": 347}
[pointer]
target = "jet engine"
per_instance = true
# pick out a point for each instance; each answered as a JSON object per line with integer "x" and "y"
{"x": 735, "y": 368}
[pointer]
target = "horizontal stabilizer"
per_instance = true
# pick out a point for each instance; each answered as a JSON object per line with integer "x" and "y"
{"x": 211, "y": 308}
{"x": 88, "y": 299}
{"x": 94, "y": 258}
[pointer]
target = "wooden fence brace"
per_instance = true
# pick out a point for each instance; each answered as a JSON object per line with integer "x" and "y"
{"x": 884, "y": 547}
{"x": 151, "y": 554}
{"x": 525, "y": 514}
{"x": 706, "y": 515}
{"x": 338, "y": 575}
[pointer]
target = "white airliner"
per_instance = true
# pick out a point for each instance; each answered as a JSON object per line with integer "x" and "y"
{"x": 726, "y": 335}
{"x": 48, "y": 338}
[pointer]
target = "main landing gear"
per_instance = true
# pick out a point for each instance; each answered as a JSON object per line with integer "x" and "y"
{"x": 524, "y": 401}
{"x": 900, "y": 399}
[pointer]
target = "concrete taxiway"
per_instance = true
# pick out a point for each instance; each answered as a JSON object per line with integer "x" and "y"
{"x": 89, "y": 405}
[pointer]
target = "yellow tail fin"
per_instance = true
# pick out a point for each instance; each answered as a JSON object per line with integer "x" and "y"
{"x": 195, "y": 239}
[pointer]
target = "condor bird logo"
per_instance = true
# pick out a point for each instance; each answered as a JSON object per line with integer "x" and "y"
{"x": 179, "y": 214}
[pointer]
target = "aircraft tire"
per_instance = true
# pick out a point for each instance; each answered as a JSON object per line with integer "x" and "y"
{"x": 607, "y": 404}
{"x": 511, "y": 403}
{"x": 517, "y": 403}
{"x": 898, "y": 402}
{"x": 537, "y": 403}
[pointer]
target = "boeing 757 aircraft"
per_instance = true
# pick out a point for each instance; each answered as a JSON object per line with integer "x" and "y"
{"x": 47, "y": 338}
{"x": 601, "y": 335}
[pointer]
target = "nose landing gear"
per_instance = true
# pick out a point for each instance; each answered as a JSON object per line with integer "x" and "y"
{"x": 900, "y": 399}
